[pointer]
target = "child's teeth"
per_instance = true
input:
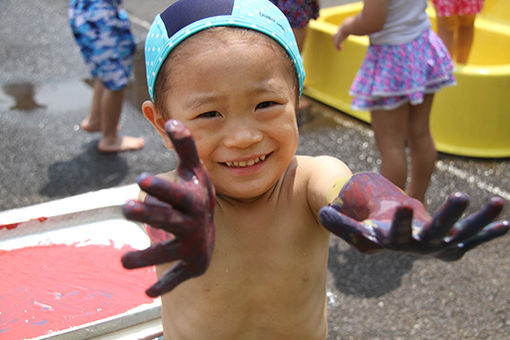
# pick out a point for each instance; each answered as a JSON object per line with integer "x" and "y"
{"x": 246, "y": 163}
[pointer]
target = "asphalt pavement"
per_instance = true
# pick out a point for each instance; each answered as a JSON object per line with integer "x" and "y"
{"x": 45, "y": 92}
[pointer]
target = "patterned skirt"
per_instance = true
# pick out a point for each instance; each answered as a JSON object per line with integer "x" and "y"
{"x": 392, "y": 75}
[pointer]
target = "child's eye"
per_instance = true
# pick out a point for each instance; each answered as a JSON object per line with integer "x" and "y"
{"x": 210, "y": 114}
{"x": 266, "y": 104}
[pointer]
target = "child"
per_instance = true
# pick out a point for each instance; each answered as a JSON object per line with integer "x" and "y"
{"x": 240, "y": 215}
{"x": 299, "y": 13}
{"x": 404, "y": 66}
{"x": 101, "y": 29}
{"x": 455, "y": 25}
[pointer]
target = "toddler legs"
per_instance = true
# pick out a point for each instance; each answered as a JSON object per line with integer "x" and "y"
{"x": 421, "y": 148}
{"x": 300, "y": 34}
{"x": 392, "y": 129}
{"x": 390, "y": 137}
{"x": 93, "y": 121}
{"x": 104, "y": 116}
{"x": 457, "y": 33}
{"x": 465, "y": 34}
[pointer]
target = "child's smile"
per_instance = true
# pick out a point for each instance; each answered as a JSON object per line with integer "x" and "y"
{"x": 248, "y": 163}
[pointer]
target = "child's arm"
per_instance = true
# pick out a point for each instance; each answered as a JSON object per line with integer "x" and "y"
{"x": 372, "y": 214}
{"x": 183, "y": 207}
{"x": 371, "y": 19}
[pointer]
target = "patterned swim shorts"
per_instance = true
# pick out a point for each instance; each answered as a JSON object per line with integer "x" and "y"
{"x": 298, "y": 12}
{"x": 446, "y": 8}
{"x": 102, "y": 31}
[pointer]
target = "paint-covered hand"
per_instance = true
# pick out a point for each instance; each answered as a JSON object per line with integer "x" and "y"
{"x": 183, "y": 207}
{"x": 372, "y": 214}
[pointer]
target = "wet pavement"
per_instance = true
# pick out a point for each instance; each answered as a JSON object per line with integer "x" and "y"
{"x": 45, "y": 93}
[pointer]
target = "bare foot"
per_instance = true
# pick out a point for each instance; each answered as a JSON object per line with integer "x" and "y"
{"x": 85, "y": 125}
{"x": 124, "y": 143}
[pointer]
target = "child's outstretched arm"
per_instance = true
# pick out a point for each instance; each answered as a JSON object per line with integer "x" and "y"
{"x": 184, "y": 207}
{"x": 372, "y": 214}
{"x": 370, "y": 20}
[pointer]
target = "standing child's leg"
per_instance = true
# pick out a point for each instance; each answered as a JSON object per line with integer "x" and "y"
{"x": 93, "y": 121}
{"x": 300, "y": 34}
{"x": 465, "y": 34}
{"x": 421, "y": 147}
{"x": 446, "y": 28}
{"x": 390, "y": 136}
{"x": 111, "y": 107}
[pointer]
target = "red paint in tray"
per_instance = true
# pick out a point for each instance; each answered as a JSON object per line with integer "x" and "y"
{"x": 53, "y": 287}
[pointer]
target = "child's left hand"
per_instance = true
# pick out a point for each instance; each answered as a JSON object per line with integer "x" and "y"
{"x": 372, "y": 214}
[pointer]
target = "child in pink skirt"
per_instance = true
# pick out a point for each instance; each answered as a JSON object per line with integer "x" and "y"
{"x": 405, "y": 64}
{"x": 455, "y": 25}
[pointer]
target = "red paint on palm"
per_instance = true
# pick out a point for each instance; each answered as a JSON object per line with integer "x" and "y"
{"x": 371, "y": 196}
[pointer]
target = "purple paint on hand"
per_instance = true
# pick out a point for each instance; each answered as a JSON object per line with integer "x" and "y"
{"x": 183, "y": 207}
{"x": 372, "y": 214}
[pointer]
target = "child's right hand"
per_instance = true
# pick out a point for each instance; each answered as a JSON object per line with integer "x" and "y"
{"x": 184, "y": 207}
{"x": 341, "y": 34}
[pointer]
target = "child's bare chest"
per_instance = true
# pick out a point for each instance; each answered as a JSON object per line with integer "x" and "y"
{"x": 267, "y": 272}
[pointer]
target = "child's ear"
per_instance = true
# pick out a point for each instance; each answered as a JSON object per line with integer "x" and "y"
{"x": 154, "y": 116}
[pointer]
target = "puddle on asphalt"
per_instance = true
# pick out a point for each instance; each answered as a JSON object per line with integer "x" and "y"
{"x": 58, "y": 97}
{"x": 19, "y": 96}
{"x": 68, "y": 95}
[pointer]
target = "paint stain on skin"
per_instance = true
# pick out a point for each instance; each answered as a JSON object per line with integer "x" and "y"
{"x": 54, "y": 287}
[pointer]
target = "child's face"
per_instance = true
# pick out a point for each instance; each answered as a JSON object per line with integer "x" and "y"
{"x": 237, "y": 95}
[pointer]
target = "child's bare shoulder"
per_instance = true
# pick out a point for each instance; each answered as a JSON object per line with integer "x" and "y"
{"x": 318, "y": 174}
{"x": 322, "y": 166}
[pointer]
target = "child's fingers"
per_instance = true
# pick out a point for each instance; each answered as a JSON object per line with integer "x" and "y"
{"x": 184, "y": 145}
{"x": 477, "y": 221}
{"x": 158, "y": 253}
{"x": 492, "y": 231}
{"x": 441, "y": 224}
{"x": 400, "y": 233}
{"x": 171, "y": 279}
{"x": 157, "y": 216}
{"x": 175, "y": 194}
{"x": 348, "y": 229}
{"x": 455, "y": 251}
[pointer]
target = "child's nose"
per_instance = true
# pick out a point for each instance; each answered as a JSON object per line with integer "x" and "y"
{"x": 242, "y": 135}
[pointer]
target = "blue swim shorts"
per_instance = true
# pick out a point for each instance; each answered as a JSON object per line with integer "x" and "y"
{"x": 102, "y": 31}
